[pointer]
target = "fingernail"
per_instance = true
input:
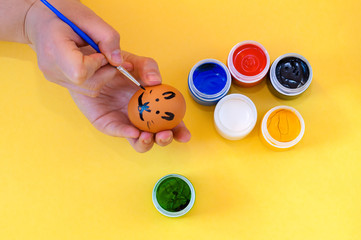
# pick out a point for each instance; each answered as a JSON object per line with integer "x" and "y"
{"x": 116, "y": 57}
{"x": 147, "y": 141}
{"x": 167, "y": 140}
{"x": 153, "y": 77}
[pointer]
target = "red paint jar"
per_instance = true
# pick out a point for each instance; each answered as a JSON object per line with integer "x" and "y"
{"x": 248, "y": 62}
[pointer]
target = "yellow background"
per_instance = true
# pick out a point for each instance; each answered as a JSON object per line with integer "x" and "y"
{"x": 62, "y": 179}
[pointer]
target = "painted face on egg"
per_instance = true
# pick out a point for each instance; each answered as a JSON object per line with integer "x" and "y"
{"x": 156, "y": 108}
{"x": 143, "y": 107}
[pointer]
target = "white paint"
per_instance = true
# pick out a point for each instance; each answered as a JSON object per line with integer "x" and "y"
{"x": 235, "y": 116}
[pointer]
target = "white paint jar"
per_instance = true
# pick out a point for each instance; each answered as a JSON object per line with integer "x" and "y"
{"x": 235, "y": 116}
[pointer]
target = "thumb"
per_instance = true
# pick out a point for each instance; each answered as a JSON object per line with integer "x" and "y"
{"x": 107, "y": 39}
{"x": 109, "y": 45}
{"x": 144, "y": 68}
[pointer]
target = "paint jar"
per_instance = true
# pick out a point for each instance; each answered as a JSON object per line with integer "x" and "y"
{"x": 248, "y": 62}
{"x": 208, "y": 81}
{"x": 282, "y": 127}
{"x": 173, "y": 195}
{"x": 290, "y": 75}
{"x": 235, "y": 116}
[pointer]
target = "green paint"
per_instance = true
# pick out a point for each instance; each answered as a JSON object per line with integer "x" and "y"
{"x": 173, "y": 194}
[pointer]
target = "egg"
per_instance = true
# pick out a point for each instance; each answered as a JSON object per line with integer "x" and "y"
{"x": 157, "y": 108}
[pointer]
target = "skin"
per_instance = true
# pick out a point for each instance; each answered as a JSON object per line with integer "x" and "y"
{"x": 98, "y": 89}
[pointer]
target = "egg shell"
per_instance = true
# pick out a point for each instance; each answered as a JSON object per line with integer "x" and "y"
{"x": 157, "y": 108}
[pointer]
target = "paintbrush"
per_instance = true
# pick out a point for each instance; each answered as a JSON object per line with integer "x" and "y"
{"x": 87, "y": 39}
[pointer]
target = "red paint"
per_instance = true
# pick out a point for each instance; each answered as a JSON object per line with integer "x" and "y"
{"x": 249, "y": 60}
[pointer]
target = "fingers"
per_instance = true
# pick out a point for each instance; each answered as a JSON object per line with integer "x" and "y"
{"x": 84, "y": 71}
{"x": 144, "y": 68}
{"x": 146, "y": 140}
{"x": 102, "y": 33}
{"x": 113, "y": 123}
{"x": 142, "y": 144}
{"x": 67, "y": 58}
{"x": 164, "y": 138}
{"x": 119, "y": 129}
{"x": 92, "y": 86}
{"x": 76, "y": 66}
{"x": 181, "y": 133}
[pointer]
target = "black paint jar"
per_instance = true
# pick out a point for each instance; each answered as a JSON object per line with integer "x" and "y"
{"x": 290, "y": 75}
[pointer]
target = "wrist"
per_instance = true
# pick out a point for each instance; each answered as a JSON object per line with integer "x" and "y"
{"x": 36, "y": 16}
{"x": 39, "y": 17}
{"x": 12, "y": 17}
{"x": 25, "y": 30}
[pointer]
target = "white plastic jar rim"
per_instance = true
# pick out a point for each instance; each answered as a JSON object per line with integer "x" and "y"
{"x": 233, "y": 134}
{"x": 206, "y": 97}
{"x": 168, "y": 213}
{"x": 282, "y": 89}
{"x": 244, "y": 78}
{"x": 273, "y": 142}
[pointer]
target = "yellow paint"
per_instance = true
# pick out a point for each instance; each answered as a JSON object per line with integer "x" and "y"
{"x": 283, "y": 125}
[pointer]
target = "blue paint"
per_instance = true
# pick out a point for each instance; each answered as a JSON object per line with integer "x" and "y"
{"x": 209, "y": 78}
{"x": 208, "y": 81}
{"x": 143, "y": 108}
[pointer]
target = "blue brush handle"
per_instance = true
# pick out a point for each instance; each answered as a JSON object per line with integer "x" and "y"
{"x": 82, "y": 34}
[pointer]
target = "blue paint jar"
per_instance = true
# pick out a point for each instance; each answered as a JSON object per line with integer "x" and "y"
{"x": 208, "y": 81}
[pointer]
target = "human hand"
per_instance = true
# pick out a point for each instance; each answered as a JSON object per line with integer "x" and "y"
{"x": 60, "y": 50}
{"x": 108, "y": 111}
{"x": 66, "y": 60}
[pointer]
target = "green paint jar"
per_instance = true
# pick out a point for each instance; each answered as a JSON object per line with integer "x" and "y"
{"x": 173, "y": 195}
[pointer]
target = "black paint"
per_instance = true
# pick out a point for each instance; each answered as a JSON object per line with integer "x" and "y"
{"x": 169, "y": 116}
{"x": 292, "y": 72}
{"x": 170, "y": 95}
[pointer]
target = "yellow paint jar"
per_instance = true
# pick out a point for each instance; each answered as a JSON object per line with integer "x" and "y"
{"x": 282, "y": 127}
